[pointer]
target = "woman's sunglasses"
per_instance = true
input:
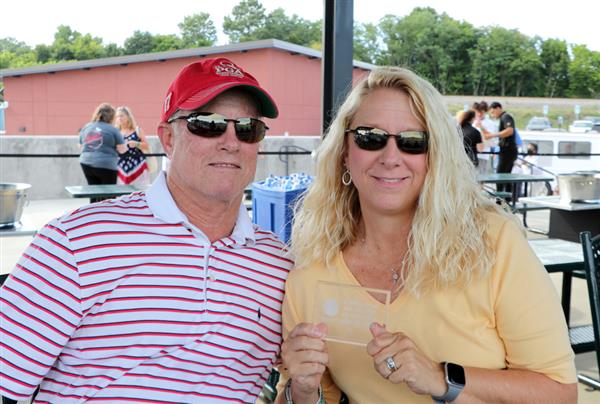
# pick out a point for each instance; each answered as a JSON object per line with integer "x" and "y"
{"x": 412, "y": 141}
{"x": 207, "y": 124}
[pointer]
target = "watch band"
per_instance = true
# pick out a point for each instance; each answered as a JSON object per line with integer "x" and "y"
{"x": 453, "y": 389}
{"x": 287, "y": 392}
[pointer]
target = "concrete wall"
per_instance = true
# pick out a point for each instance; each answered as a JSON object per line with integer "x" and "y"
{"x": 49, "y": 176}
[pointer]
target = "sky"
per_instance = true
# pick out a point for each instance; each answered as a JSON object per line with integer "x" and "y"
{"x": 35, "y": 21}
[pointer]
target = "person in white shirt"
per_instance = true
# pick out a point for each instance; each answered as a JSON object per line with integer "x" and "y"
{"x": 483, "y": 122}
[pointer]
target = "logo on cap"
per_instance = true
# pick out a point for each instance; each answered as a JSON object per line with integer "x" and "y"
{"x": 167, "y": 103}
{"x": 228, "y": 69}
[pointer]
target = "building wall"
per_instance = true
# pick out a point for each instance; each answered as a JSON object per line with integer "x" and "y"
{"x": 60, "y": 103}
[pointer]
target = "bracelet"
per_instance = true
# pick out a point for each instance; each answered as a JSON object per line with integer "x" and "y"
{"x": 288, "y": 394}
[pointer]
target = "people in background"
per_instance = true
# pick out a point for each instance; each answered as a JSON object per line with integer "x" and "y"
{"x": 529, "y": 165}
{"x": 395, "y": 207}
{"x": 471, "y": 136}
{"x": 169, "y": 295}
{"x": 482, "y": 121}
{"x": 133, "y": 165}
{"x": 506, "y": 140}
{"x": 101, "y": 143}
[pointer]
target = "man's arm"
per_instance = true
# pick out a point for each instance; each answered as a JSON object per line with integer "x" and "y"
{"x": 503, "y": 133}
{"x": 40, "y": 309}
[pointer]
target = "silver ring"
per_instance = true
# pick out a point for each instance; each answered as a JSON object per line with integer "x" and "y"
{"x": 391, "y": 365}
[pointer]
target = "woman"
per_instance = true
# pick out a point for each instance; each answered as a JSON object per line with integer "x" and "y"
{"x": 404, "y": 213}
{"x": 101, "y": 145}
{"x": 471, "y": 136}
{"x": 133, "y": 167}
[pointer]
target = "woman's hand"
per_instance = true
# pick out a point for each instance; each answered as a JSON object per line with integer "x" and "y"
{"x": 133, "y": 143}
{"x": 304, "y": 355}
{"x": 421, "y": 375}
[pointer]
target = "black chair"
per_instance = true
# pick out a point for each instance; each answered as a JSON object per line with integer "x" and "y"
{"x": 589, "y": 336}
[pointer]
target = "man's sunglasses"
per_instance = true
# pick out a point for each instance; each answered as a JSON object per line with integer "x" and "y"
{"x": 411, "y": 141}
{"x": 207, "y": 124}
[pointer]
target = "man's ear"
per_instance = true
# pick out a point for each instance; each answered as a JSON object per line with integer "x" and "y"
{"x": 166, "y": 136}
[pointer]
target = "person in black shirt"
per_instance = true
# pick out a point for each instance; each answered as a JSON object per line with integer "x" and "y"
{"x": 471, "y": 136}
{"x": 506, "y": 141}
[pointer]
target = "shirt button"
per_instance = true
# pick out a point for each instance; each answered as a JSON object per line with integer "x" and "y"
{"x": 212, "y": 278}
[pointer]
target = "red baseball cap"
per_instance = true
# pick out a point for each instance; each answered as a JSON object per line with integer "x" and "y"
{"x": 200, "y": 82}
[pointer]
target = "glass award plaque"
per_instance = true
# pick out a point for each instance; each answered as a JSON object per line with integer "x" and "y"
{"x": 348, "y": 311}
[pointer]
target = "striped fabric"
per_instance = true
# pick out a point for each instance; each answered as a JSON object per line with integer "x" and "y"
{"x": 124, "y": 301}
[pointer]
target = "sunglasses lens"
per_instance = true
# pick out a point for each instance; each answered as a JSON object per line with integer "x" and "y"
{"x": 250, "y": 130}
{"x": 207, "y": 126}
{"x": 370, "y": 138}
{"x": 412, "y": 142}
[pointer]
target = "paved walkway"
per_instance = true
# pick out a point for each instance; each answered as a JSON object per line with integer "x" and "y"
{"x": 40, "y": 212}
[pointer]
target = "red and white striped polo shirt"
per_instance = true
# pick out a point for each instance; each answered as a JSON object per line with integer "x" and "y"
{"x": 125, "y": 301}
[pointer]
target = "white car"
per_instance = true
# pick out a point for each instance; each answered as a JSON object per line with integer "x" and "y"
{"x": 580, "y": 126}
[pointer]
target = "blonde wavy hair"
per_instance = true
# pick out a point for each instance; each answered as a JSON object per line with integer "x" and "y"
{"x": 447, "y": 243}
{"x": 132, "y": 123}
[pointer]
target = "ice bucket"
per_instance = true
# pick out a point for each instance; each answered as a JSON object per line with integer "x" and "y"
{"x": 579, "y": 186}
{"x": 12, "y": 199}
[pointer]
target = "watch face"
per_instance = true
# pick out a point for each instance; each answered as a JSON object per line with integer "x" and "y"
{"x": 456, "y": 374}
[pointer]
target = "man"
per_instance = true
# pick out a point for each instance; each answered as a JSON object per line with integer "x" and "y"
{"x": 506, "y": 140}
{"x": 169, "y": 295}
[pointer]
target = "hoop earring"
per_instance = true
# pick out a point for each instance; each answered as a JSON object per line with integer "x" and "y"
{"x": 346, "y": 178}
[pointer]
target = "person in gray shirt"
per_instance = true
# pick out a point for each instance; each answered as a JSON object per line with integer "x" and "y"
{"x": 101, "y": 143}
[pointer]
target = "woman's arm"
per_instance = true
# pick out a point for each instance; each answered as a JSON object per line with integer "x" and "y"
{"x": 143, "y": 145}
{"x": 513, "y": 386}
{"x": 426, "y": 377}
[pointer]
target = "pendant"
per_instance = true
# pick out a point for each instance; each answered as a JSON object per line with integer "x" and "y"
{"x": 395, "y": 276}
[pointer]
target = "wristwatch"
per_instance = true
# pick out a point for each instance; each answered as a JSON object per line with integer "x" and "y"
{"x": 288, "y": 394}
{"x": 455, "y": 381}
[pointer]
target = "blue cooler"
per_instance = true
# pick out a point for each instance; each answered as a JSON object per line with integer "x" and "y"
{"x": 273, "y": 205}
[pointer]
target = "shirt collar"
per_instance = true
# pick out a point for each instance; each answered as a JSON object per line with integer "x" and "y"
{"x": 163, "y": 206}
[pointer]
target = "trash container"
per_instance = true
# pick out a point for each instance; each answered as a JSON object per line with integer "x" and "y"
{"x": 273, "y": 202}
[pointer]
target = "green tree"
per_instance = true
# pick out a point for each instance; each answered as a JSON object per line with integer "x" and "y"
{"x": 554, "y": 56}
{"x": 525, "y": 68}
{"x": 249, "y": 22}
{"x": 366, "y": 42}
{"x": 166, "y": 43}
{"x": 247, "y": 18}
{"x": 85, "y": 47}
{"x": 584, "y": 73}
{"x": 62, "y": 47}
{"x": 12, "y": 60}
{"x": 12, "y": 45}
{"x": 43, "y": 53}
{"x": 491, "y": 71}
{"x": 292, "y": 29}
{"x": 198, "y": 30}
{"x": 139, "y": 42}
{"x": 112, "y": 49}
{"x": 434, "y": 45}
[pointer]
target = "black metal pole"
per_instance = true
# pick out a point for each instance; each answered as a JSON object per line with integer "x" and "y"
{"x": 338, "y": 25}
